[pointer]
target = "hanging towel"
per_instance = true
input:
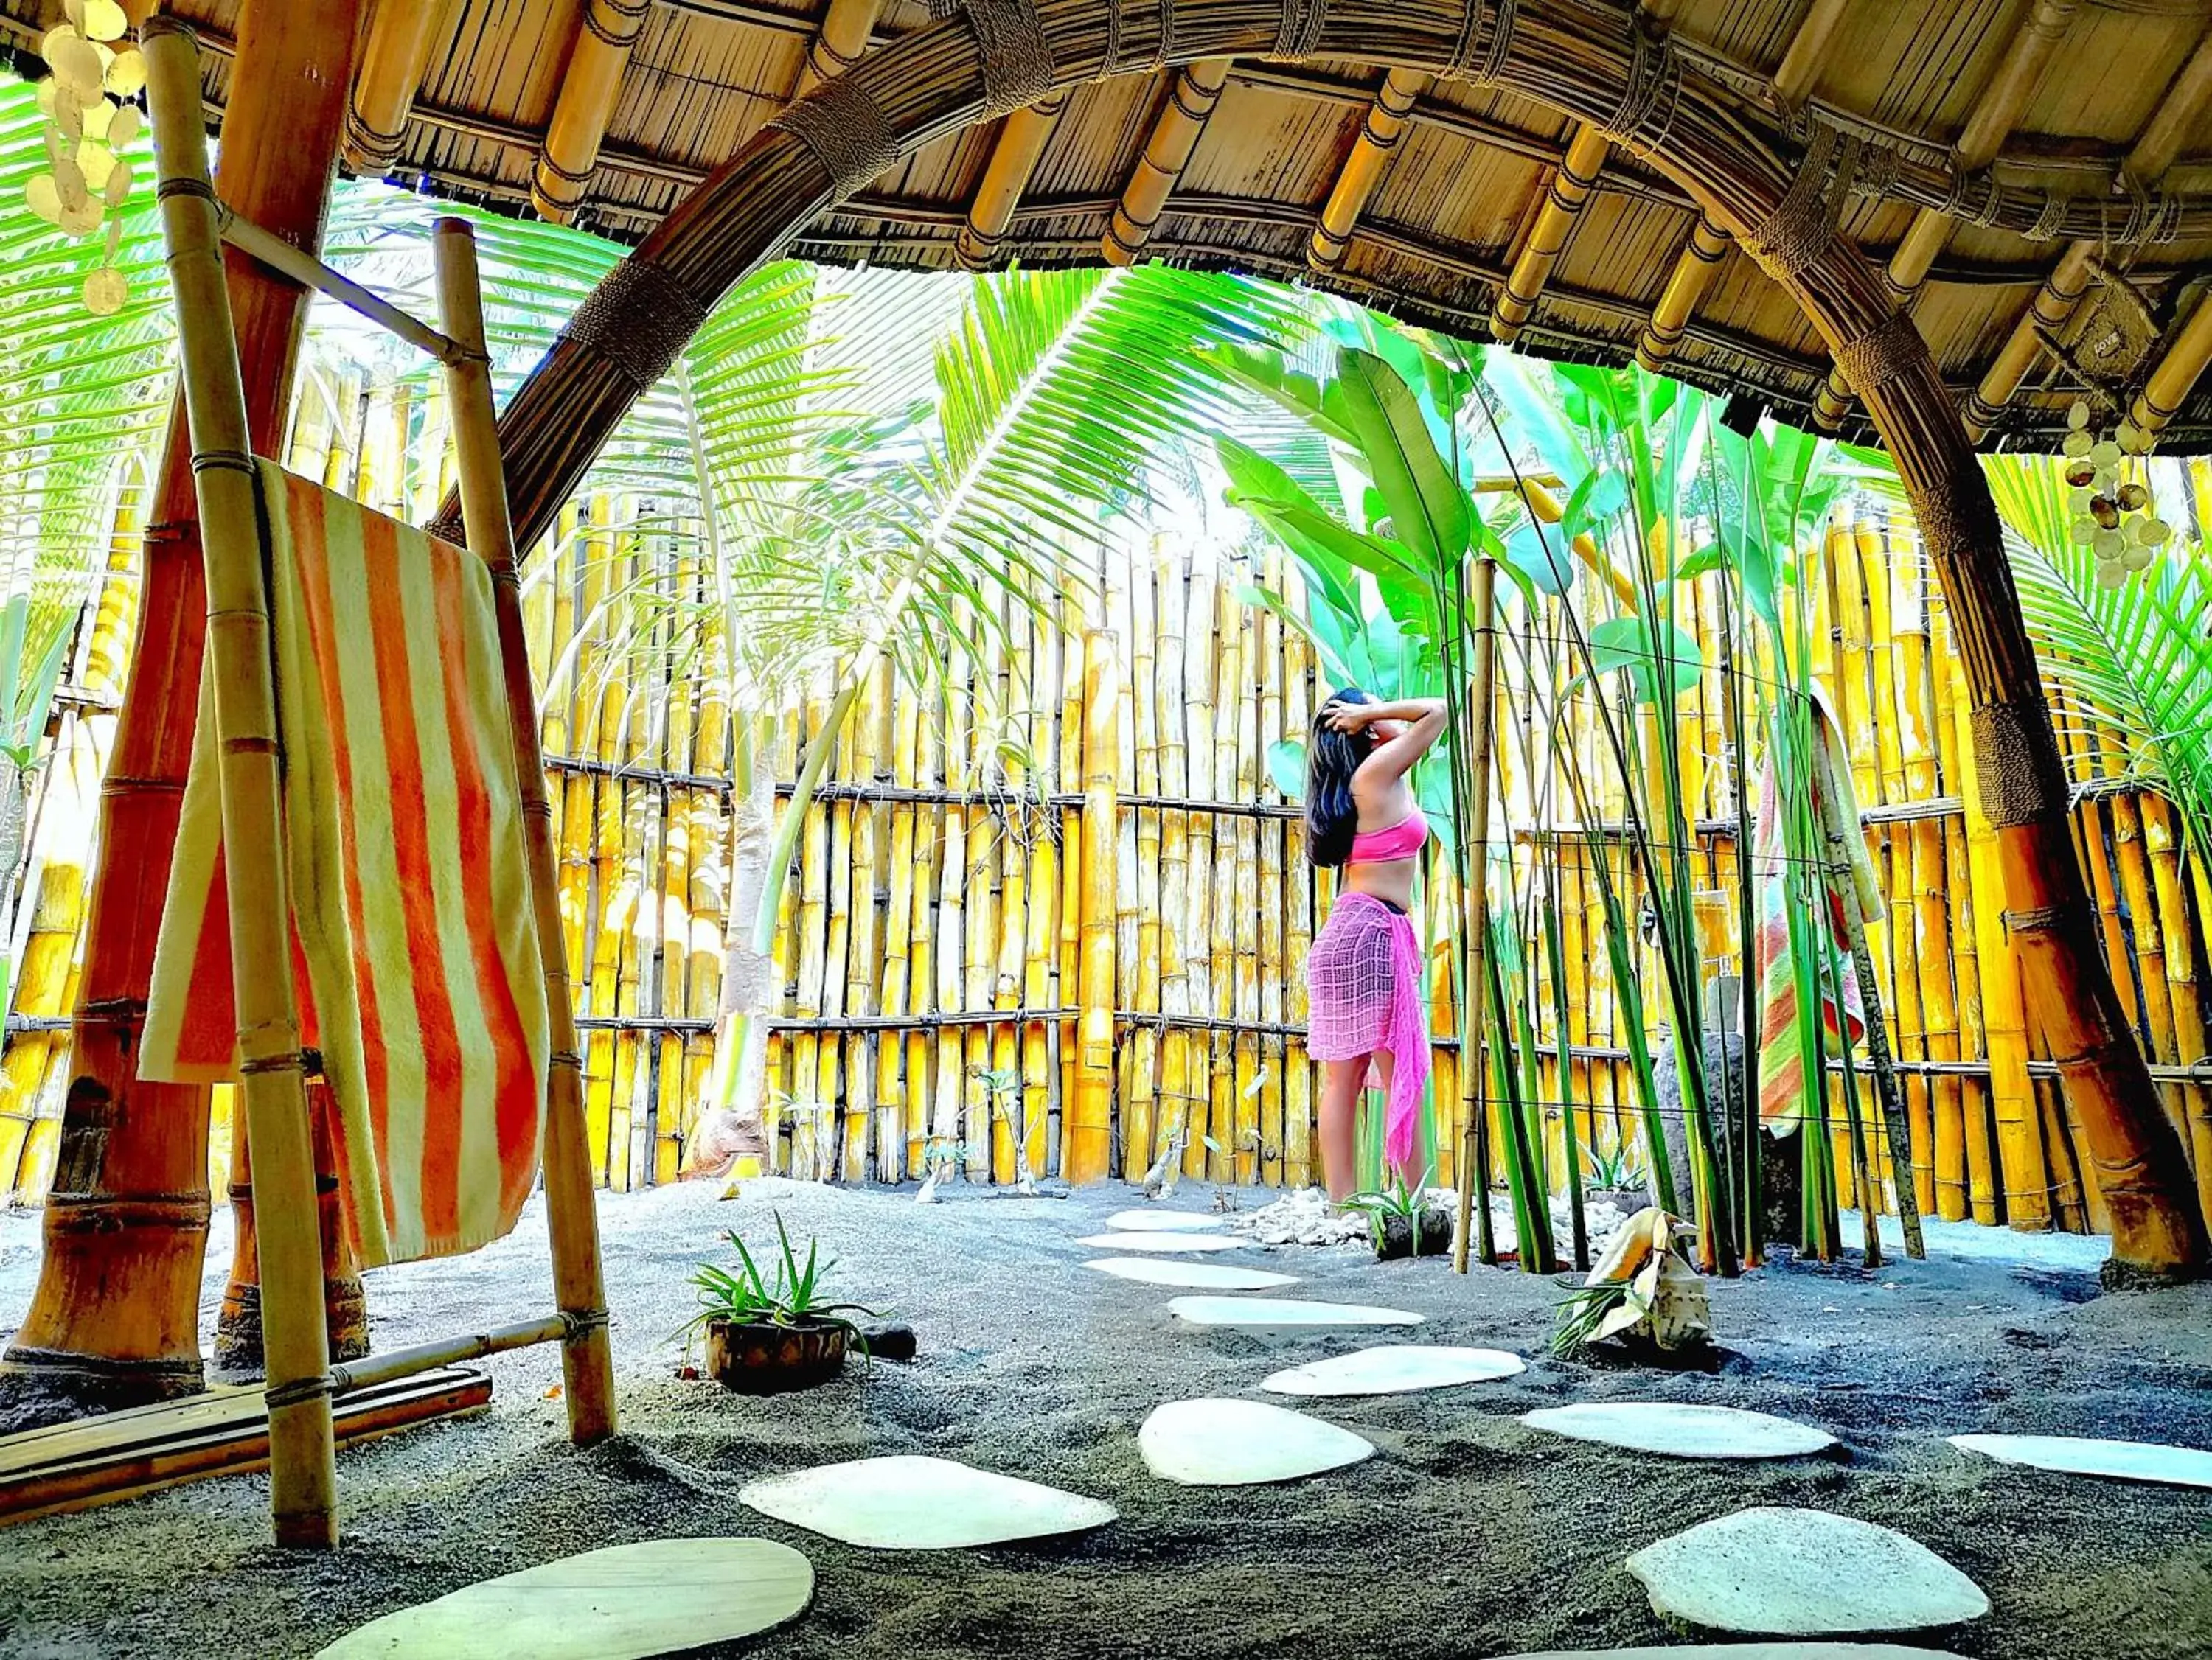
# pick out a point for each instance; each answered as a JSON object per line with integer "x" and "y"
{"x": 1781, "y": 1063}
{"x": 414, "y": 947}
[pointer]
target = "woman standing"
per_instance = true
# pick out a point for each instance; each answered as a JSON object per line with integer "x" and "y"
{"x": 1364, "y": 972}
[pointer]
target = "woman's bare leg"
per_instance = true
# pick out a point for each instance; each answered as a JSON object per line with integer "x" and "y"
{"x": 1341, "y": 1081}
{"x": 1385, "y": 1064}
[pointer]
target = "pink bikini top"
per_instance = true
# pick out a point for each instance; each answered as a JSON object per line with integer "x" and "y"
{"x": 1401, "y": 841}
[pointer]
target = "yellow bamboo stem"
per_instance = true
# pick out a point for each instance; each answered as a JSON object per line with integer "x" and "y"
{"x": 1090, "y": 1130}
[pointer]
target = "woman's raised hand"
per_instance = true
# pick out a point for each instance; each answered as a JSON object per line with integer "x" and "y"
{"x": 1345, "y": 717}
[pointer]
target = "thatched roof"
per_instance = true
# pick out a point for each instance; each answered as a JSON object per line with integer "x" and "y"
{"x": 2061, "y": 98}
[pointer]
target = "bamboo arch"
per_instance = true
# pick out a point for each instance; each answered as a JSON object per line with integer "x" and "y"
{"x": 1600, "y": 65}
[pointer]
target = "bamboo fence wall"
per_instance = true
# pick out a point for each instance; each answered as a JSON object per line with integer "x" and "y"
{"x": 1050, "y": 918}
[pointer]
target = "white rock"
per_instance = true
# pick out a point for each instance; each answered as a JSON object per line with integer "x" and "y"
{"x": 1790, "y": 1572}
{"x": 1682, "y": 1431}
{"x": 1395, "y": 1369}
{"x": 1218, "y": 1442}
{"x": 1163, "y": 1221}
{"x": 1282, "y": 1313}
{"x": 1168, "y": 1242}
{"x": 625, "y": 1603}
{"x": 1194, "y": 1276}
{"x": 2123, "y": 1461}
{"x": 920, "y": 1504}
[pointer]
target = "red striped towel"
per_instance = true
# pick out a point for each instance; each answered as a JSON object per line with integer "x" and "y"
{"x": 415, "y": 952}
{"x": 1781, "y": 1059}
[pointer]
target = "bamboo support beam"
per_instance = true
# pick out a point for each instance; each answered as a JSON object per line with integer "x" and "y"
{"x": 1695, "y": 268}
{"x": 605, "y": 32}
{"x": 393, "y": 59}
{"x": 586, "y": 1357}
{"x": 1195, "y": 89}
{"x": 1800, "y": 70}
{"x": 302, "y": 1478}
{"x": 1013, "y": 162}
{"x": 2177, "y": 373}
{"x": 2154, "y": 152}
{"x": 838, "y": 43}
{"x": 1570, "y": 189}
{"x": 1699, "y": 262}
{"x": 1367, "y": 166}
{"x": 1995, "y": 114}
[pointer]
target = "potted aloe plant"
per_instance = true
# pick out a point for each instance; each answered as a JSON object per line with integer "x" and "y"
{"x": 769, "y": 1335}
{"x": 1402, "y": 1222}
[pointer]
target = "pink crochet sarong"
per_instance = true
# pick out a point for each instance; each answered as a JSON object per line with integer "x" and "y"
{"x": 1364, "y": 984}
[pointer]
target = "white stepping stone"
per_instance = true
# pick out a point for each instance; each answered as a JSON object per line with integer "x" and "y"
{"x": 1217, "y": 1443}
{"x": 1194, "y": 1276}
{"x": 1161, "y": 1242}
{"x": 1789, "y": 1572}
{"x": 1282, "y": 1313}
{"x": 1395, "y": 1369}
{"x": 625, "y": 1603}
{"x": 1750, "y": 1651}
{"x": 1677, "y": 1431}
{"x": 2071, "y": 1454}
{"x": 1163, "y": 1221}
{"x": 920, "y": 1504}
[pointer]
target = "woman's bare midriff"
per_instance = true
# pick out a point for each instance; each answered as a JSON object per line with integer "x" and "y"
{"x": 1390, "y": 881}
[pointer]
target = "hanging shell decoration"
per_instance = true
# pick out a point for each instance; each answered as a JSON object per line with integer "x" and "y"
{"x": 2108, "y": 485}
{"x": 89, "y": 124}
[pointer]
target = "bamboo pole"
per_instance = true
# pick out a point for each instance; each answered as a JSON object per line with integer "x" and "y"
{"x": 1088, "y": 1145}
{"x": 1014, "y": 157}
{"x": 392, "y": 60}
{"x": 1173, "y": 1121}
{"x": 838, "y": 43}
{"x": 571, "y": 1221}
{"x": 1193, "y": 91}
{"x": 302, "y": 1478}
{"x": 1201, "y": 663}
{"x": 2163, "y": 845}
{"x": 1570, "y": 188}
{"x": 1474, "y": 930}
{"x": 589, "y": 86}
{"x": 1381, "y": 134}
{"x": 1140, "y": 1111}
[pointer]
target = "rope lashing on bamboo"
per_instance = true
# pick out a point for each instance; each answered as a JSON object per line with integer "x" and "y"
{"x": 1478, "y": 54}
{"x": 1298, "y": 35}
{"x": 2019, "y": 775}
{"x": 2045, "y": 228}
{"x": 1164, "y": 48}
{"x": 1794, "y": 238}
{"x": 847, "y": 131}
{"x": 1011, "y": 46}
{"x": 1653, "y": 88}
{"x": 1974, "y": 197}
{"x": 1882, "y": 354}
{"x": 638, "y": 318}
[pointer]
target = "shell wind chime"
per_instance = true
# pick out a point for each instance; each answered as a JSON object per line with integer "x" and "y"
{"x": 89, "y": 121}
{"x": 2107, "y": 475}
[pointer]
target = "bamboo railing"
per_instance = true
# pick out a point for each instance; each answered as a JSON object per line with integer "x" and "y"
{"x": 1048, "y": 917}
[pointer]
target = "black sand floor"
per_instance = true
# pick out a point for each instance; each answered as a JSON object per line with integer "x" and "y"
{"x": 1469, "y": 1536}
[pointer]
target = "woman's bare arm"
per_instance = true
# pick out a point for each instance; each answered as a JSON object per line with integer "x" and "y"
{"x": 1425, "y": 724}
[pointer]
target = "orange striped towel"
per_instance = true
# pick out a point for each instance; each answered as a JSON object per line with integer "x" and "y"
{"x": 415, "y": 951}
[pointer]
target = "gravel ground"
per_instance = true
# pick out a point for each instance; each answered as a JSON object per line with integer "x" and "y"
{"x": 1469, "y": 1536}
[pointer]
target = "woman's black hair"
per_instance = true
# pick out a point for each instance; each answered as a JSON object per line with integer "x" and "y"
{"x": 1332, "y": 757}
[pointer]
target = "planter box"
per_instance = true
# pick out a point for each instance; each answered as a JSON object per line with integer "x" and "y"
{"x": 761, "y": 1358}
